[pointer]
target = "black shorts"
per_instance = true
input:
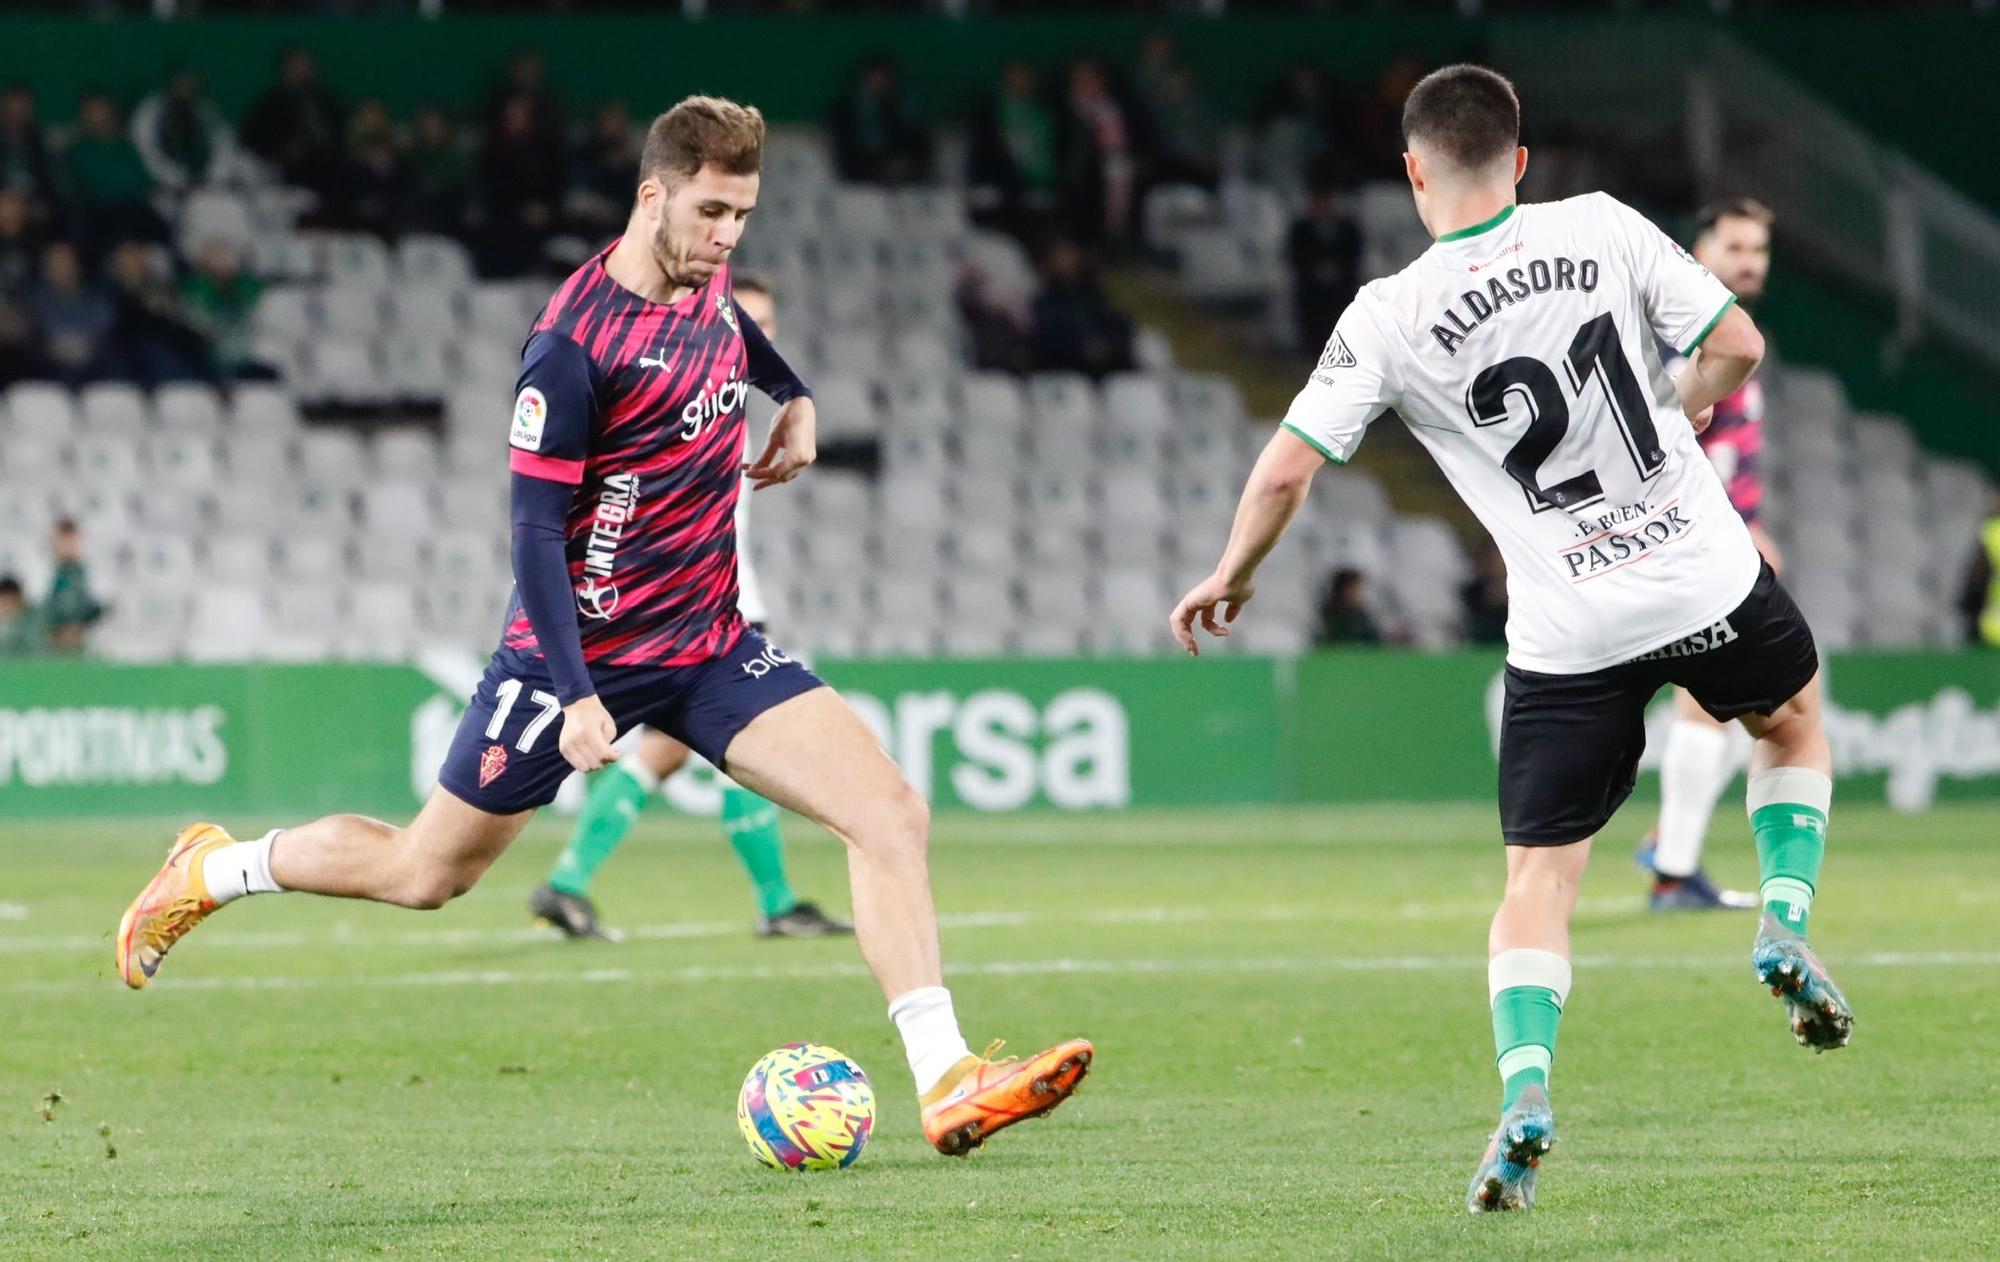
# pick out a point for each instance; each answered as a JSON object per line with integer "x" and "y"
{"x": 1570, "y": 744}
{"x": 506, "y": 757}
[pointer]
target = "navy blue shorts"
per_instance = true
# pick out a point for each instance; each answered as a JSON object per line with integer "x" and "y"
{"x": 506, "y": 756}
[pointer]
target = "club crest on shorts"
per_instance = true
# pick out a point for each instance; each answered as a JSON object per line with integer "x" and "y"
{"x": 491, "y": 764}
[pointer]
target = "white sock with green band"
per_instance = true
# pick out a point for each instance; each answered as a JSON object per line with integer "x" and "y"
{"x": 1528, "y": 989}
{"x": 1788, "y": 811}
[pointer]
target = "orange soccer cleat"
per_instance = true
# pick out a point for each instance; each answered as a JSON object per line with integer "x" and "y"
{"x": 175, "y": 901}
{"x": 980, "y": 1096}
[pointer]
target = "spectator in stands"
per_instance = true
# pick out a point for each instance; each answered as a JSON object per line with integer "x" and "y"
{"x": 1324, "y": 249}
{"x": 1484, "y": 599}
{"x": 1013, "y": 166}
{"x": 1299, "y": 125}
{"x": 1979, "y": 598}
{"x": 372, "y": 181}
{"x": 440, "y": 172}
{"x": 109, "y": 188}
{"x": 1076, "y": 327}
{"x": 24, "y": 149}
{"x": 1100, "y": 155}
{"x": 73, "y": 316}
{"x": 20, "y": 351}
{"x": 1187, "y": 136}
{"x": 600, "y": 186}
{"x": 183, "y": 136}
{"x": 1343, "y": 611}
{"x": 297, "y": 124}
{"x": 877, "y": 137}
{"x": 526, "y": 81}
{"x": 21, "y": 633}
{"x": 521, "y": 188}
{"x": 1380, "y": 131}
{"x": 71, "y": 609}
{"x": 151, "y": 339}
{"x": 20, "y": 243}
{"x": 220, "y": 298}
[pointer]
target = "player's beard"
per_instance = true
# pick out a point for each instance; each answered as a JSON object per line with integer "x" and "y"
{"x": 676, "y": 269}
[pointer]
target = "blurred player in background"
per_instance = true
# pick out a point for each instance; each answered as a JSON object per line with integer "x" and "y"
{"x": 1512, "y": 348}
{"x": 619, "y": 792}
{"x": 1732, "y": 240}
{"x": 627, "y": 463}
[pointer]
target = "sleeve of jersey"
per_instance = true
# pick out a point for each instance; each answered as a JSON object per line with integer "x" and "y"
{"x": 554, "y": 403}
{"x": 767, "y": 369}
{"x": 1683, "y": 299}
{"x": 1352, "y": 385}
{"x": 549, "y": 441}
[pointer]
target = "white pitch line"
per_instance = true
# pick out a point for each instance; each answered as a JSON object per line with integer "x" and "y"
{"x": 1065, "y": 966}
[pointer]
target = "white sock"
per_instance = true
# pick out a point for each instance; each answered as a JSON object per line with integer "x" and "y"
{"x": 1692, "y": 772}
{"x": 641, "y": 774}
{"x": 930, "y": 1033}
{"x": 230, "y": 872}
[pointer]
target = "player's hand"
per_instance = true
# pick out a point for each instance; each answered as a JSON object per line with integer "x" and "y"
{"x": 1700, "y": 420}
{"x": 587, "y": 733}
{"x": 794, "y": 445}
{"x": 1201, "y": 602}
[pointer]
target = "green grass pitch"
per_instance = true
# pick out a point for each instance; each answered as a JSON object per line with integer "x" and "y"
{"x": 1289, "y": 1006}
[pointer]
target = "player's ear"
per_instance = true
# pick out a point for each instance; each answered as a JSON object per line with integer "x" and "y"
{"x": 1520, "y": 162}
{"x": 1413, "y": 166}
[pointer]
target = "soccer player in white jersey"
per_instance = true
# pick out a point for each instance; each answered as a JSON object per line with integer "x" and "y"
{"x": 1519, "y": 349}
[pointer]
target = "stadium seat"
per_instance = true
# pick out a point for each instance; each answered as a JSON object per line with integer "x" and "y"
{"x": 321, "y": 508}
{"x": 215, "y": 214}
{"x": 343, "y": 372}
{"x": 355, "y": 312}
{"x": 850, "y": 353}
{"x": 227, "y": 622}
{"x": 399, "y": 506}
{"x": 915, "y": 449}
{"x": 1062, "y": 446}
{"x": 475, "y": 504}
{"x": 1057, "y": 499}
{"x": 100, "y": 458}
{"x": 486, "y": 358}
{"x": 190, "y": 407}
{"x": 986, "y": 493}
{"x": 433, "y": 260}
{"x": 332, "y": 457}
{"x": 493, "y": 310}
{"x": 911, "y": 500}
{"x": 356, "y": 258}
{"x": 284, "y": 256}
{"x": 310, "y": 559}
{"x": 1064, "y": 399}
{"x": 181, "y": 461}
{"x": 408, "y": 452}
{"x": 927, "y": 351}
{"x": 286, "y": 312}
{"x": 919, "y": 401}
{"x": 257, "y": 407}
{"x": 928, "y": 212}
{"x": 417, "y": 368}
{"x": 428, "y": 309}
{"x": 846, "y": 407}
{"x": 24, "y": 553}
{"x": 978, "y": 602}
{"x": 41, "y": 409}
{"x": 973, "y": 641}
{"x": 111, "y": 407}
{"x": 1134, "y": 500}
{"x": 993, "y": 399}
{"x": 147, "y": 624}
{"x": 237, "y": 559}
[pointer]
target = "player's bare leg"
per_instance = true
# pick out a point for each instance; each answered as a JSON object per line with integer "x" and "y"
{"x": 812, "y": 754}
{"x": 1528, "y": 979}
{"x": 437, "y": 857}
{"x": 1791, "y": 792}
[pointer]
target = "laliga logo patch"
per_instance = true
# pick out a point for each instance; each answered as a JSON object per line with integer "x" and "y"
{"x": 764, "y": 663}
{"x": 596, "y": 599}
{"x": 491, "y": 764}
{"x": 727, "y": 310}
{"x": 531, "y": 414}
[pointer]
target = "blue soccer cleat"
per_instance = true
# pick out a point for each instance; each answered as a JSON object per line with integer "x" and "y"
{"x": 1696, "y": 892}
{"x": 1819, "y": 1013}
{"x": 1505, "y": 1178}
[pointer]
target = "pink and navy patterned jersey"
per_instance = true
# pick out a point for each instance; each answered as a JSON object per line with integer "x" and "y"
{"x": 1734, "y": 443}
{"x": 639, "y": 405}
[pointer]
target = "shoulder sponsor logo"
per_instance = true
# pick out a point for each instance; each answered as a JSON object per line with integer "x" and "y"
{"x": 1336, "y": 355}
{"x": 531, "y": 415}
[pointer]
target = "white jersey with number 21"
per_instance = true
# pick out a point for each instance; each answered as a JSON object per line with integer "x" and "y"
{"x": 1521, "y": 353}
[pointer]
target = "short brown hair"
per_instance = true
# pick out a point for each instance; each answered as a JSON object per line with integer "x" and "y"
{"x": 1467, "y": 113}
{"x": 699, "y": 131}
{"x": 1732, "y": 208}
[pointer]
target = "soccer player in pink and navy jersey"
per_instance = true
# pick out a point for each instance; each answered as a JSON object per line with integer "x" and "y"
{"x": 627, "y": 449}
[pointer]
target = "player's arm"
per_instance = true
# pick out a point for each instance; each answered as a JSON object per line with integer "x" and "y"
{"x": 1689, "y": 309}
{"x": 549, "y": 443}
{"x": 1351, "y": 386}
{"x": 794, "y": 441}
{"x": 1720, "y": 365}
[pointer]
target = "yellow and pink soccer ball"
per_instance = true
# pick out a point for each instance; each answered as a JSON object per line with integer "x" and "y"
{"x": 806, "y": 1107}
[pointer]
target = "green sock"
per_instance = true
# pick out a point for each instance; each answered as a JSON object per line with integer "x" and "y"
{"x": 616, "y": 797}
{"x": 1528, "y": 988}
{"x": 752, "y": 826}
{"x": 1788, "y": 809}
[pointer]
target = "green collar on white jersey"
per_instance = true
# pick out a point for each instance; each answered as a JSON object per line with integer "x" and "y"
{"x": 1478, "y": 228}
